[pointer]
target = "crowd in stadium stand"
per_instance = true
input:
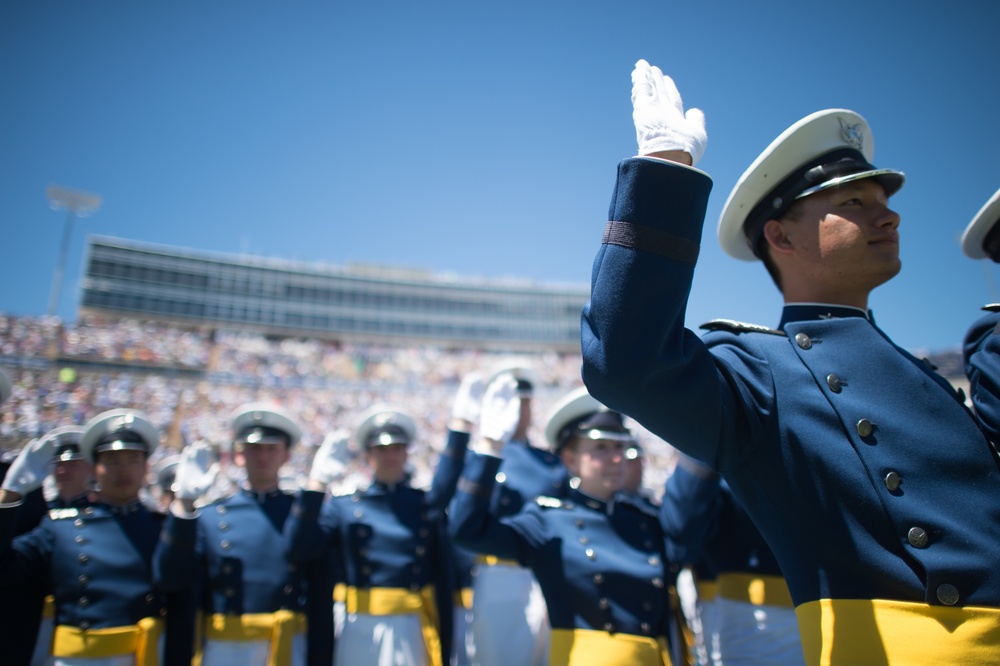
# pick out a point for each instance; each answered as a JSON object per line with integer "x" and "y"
{"x": 188, "y": 381}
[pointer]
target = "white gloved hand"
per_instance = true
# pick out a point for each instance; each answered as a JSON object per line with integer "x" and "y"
{"x": 330, "y": 460}
{"x": 658, "y": 112}
{"x": 196, "y": 471}
{"x": 31, "y": 466}
{"x": 469, "y": 399}
{"x": 501, "y": 412}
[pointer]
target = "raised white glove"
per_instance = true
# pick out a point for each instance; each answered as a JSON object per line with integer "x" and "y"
{"x": 469, "y": 399}
{"x": 330, "y": 460}
{"x": 501, "y": 411}
{"x": 31, "y": 466}
{"x": 658, "y": 112}
{"x": 196, "y": 471}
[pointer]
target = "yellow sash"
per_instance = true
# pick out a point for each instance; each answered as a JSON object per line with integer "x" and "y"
{"x": 880, "y": 631}
{"x": 49, "y": 608}
{"x": 708, "y": 590}
{"x": 583, "y": 647}
{"x": 755, "y": 589}
{"x": 398, "y": 601}
{"x": 463, "y": 598}
{"x": 340, "y": 592}
{"x": 279, "y": 627}
{"x": 141, "y": 639}
{"x": 492, "y": 561}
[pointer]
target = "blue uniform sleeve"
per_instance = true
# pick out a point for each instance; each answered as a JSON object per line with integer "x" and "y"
{"x": 474, "y": 528}
{"x": 311, "y": 527}
{"x": 981, "y": 353}
{"x": 689, "y": 512}
{"x": 448, "y": 470}
{"x": 175, "y": 560}
{"x": 638, "y": 357}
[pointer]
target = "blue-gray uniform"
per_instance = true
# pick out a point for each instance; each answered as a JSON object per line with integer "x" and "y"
{"x": 257, "y": 604}
{"x": 394, "y": 548}
{"x": 863, "y": 469}
{"x": 601, "y": 565}
{"x": 97, "y": 560}
{"x": 752, "y": 620}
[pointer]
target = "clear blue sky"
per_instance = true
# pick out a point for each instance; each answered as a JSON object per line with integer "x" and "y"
{"x": 475, "y": 138}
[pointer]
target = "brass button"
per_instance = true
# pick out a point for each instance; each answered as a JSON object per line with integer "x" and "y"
{"x": 150, "y": 598}
{"x": 79, "y": 539}
{"x": 917, "y": 536}
{"x": 84, "y": 580}
{"x": 835, "y": 383}
{"x": 603, "y": 603}
{"x": 590, "y": 554}
{"x": 584, "y": 540}
{"x": 223, "y": 526}
{"x": 225, "y": 545}
{"x": 84, "y": 624}
{"x": 947, "y": 594}
{"x": 221, "y": 509}
{"x": 644, "y": 627}
{"x": 654, "y": 561}
{"x": 414, "y": 587}
{"x": 803, "y": 341}
{"x": 288, "y": 589}
{"x": 892, "y": 481}
{"x": 84, "y": 601}
{"x": 598, "y": 578}
{"x": 865, "y": 427}
{"x": 358, "y": 513}
{"x": 420, "y": 550}
{"x": 501, "y": 477}
{"x": 608, "y": 627}
{"x": 657, "y": 582}
{"x": 82, "y": 558}
{"x": 78, "y": 523}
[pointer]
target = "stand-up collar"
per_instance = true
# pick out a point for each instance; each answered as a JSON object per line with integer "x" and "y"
{"x": 794, "y": 312}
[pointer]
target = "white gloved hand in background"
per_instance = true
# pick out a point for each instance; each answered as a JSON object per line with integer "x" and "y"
{"x": 501, "y": 411}
{"x": 31, "y": 466}
{"x": 469, "y": 398}
{"x": 658, "y": 112}
{"x": 330, "y": 460}
{"x": 196, "y": 471}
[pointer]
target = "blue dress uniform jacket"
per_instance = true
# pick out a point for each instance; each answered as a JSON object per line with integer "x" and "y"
{"x": 98, "y": 562}
{"x": 235, "y": 550}
{"x": 981, "y": 353}
{"x": 387, "y": 537}
{"x": 862, "y": 468}
{"x": 527, "y": 472}
{"x": 601, "y": 565}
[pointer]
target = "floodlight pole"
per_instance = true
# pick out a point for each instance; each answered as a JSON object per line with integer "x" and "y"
{"x": 76, "y": 204}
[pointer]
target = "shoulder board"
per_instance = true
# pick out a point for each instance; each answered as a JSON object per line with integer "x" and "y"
{"x": 734, "y": 326}
{"x": 549, "y": 502}
{"x": 991, "y": 307}
{"x": 62, "y": 514}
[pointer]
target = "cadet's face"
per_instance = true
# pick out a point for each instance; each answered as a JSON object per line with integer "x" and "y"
{"x": 600, "y": 466}
{"x": 262, "y": 463}
{"x": 633, "y": 474}
{"x": 846, "y": 241}
{"x": 120, "y": 475}
{"x": 388, "y": 462}
{"x": 72, "y": 477}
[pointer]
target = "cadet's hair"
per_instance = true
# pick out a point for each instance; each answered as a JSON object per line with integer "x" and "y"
{"x": 793, "y": 214}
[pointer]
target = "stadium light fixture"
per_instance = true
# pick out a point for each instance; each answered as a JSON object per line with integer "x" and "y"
{"x": 76, "y": 204}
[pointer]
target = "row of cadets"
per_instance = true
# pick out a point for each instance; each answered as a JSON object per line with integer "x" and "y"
{"x": 599, "y": 555}
{"x": 96, "y": 556}
{"x": 391, "y": 540}
{"x": 829, "y": 435}
{"x": 258, "y": 609}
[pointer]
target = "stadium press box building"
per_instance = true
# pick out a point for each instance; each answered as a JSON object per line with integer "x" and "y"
{"x": 129, "y": 278}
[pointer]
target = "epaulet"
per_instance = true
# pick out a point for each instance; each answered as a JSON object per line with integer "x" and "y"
{"x": 549, "y": 502}
{"x": 734, "y": 326}
{"x": 991, "y": 307}
{"x": 62, "y": 514}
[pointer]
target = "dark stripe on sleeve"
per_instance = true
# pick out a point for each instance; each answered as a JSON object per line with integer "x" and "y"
{"x": 637, "y": 237}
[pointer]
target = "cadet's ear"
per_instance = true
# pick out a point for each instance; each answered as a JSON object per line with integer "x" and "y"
{"x": 777, "y": 236}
